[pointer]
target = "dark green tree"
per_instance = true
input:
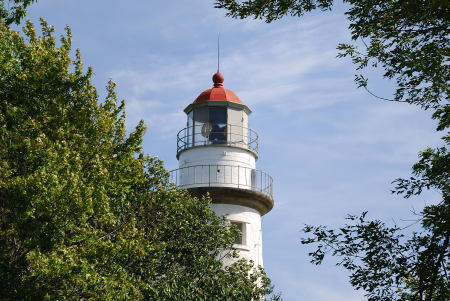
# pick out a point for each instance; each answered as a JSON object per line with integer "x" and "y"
{"x": 409, "y": 41}
{"x": 84, "y": 214}
{"x": 12, "y": 11}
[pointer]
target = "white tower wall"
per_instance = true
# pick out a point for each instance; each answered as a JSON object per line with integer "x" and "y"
{"x": 217, "y": 155}
{"x": 251, "y": 247}
{"x": 224, "y": 166}
{"x": 218, "y": 166}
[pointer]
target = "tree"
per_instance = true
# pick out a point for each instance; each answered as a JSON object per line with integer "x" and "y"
{"x": 409, "y": 40}
{"x": 84, "y": 214}
{"x": 12, "y": 11}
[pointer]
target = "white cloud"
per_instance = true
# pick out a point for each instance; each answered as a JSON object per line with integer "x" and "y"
{"x": 258, "y": 71}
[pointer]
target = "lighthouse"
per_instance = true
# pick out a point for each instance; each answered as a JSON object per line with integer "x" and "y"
{"x": 217, "y": 154}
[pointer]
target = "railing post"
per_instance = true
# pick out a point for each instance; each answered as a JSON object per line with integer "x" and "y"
{"x": 260, "y": 187}
{"x": 270, "y": 188}
{"x": 231, "y": 176}
{"x": 247, "y": 176}
{"x": 239, "y": 180}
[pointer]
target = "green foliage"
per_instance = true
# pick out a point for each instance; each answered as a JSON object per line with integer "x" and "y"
{"x": 387, "y": 263}
{"x": 83, "y": 213}
{"x": 409, "y": 40}
{"x": 271, "y": 10}
{"x": 391, "y": 263}
{"x": 12, "y": 11}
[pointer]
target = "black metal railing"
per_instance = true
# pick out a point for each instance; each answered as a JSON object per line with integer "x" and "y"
{"x": 217, "y": 134}
{"x": 223, "y": 176}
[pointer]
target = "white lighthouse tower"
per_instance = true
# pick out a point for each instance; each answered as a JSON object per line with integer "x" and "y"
{"x": 217, "y": 154}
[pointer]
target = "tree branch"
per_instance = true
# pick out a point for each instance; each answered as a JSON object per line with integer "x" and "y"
{"x": 382, "y": 98}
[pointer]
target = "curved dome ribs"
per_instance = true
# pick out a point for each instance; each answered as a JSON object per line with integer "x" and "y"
{"x": 218, "y": 92}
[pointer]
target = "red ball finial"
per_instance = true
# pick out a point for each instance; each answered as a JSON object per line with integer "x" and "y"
{"x": 218, "y": 79}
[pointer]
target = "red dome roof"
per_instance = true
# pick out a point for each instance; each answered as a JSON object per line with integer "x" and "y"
{"x": 218, "y": 92}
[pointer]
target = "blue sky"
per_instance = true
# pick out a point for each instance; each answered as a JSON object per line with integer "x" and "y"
{"x": 331, "y": 149}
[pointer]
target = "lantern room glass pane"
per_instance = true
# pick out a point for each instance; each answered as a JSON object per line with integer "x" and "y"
{"x": 218, "y": 120}
{"x": 236, "y": 132}
{"x": 200, "y": 130}
{"x": 201, "y": 115}
{"x": 218, "y": 133}
{"x": 218, "y": 115}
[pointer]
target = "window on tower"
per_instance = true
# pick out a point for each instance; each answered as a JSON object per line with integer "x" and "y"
{"x": 241, "y": 238}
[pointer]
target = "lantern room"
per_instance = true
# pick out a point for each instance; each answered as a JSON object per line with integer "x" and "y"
{"x": 217, "y": 117}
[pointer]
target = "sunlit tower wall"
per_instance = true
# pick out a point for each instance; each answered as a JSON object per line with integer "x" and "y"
{"x": 217, "y": 153}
